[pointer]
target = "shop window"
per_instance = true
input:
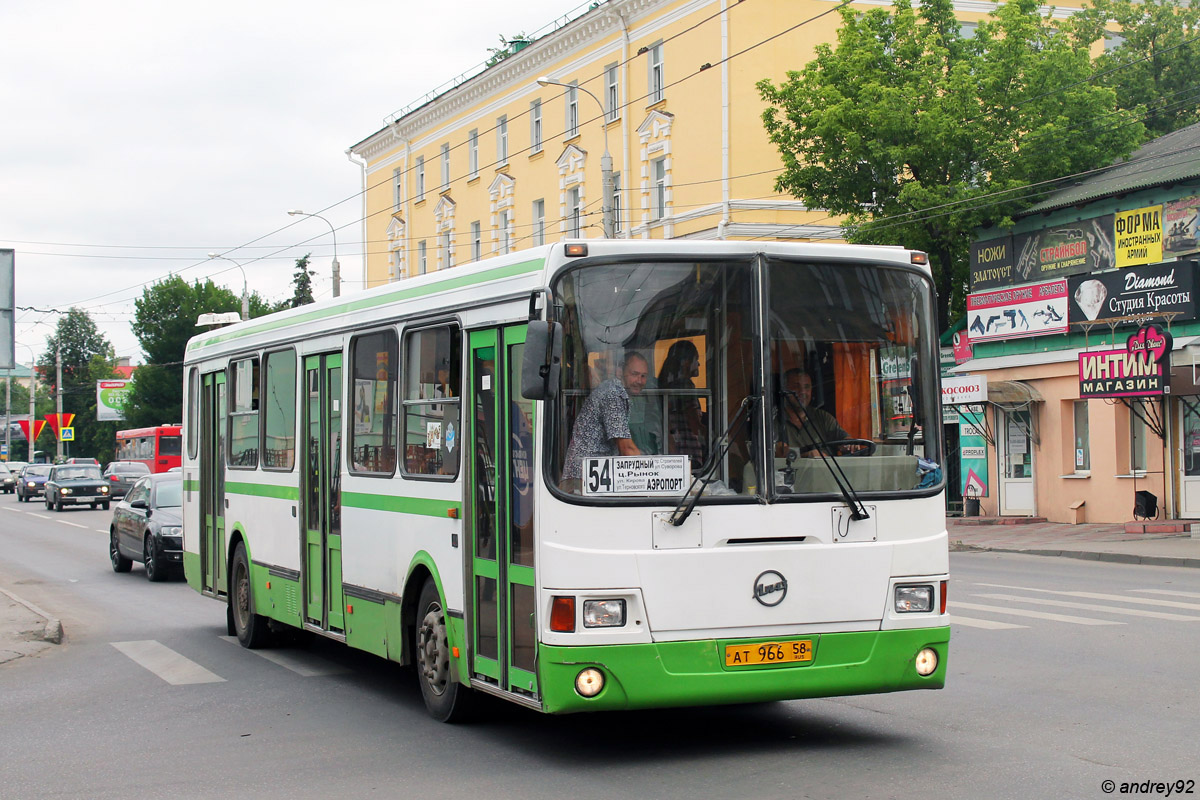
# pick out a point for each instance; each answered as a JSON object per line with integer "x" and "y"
{"x": 1137, "y": 442}
{"x": 432, "y": 399}
{"x": 373, "y": 434}
{"x": 1083, "y": 456}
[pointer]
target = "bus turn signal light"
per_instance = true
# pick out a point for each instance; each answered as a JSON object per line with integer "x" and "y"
{"x": 945, "y": 587}
{"x": 576, "y": 250}
{"x": 562, "y": 615}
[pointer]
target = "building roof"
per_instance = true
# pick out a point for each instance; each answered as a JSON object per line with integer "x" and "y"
{"x": 1162, "y": 161}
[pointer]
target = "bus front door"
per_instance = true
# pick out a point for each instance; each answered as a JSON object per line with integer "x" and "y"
{"x": 501, "y": 482}
{"x": 322, "y": 493}
{"x": 212, "y": 484}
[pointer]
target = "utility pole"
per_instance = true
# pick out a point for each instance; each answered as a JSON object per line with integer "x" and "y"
{"x": 58, "y": 379}
{"x": 32, "y": 396}
{"x": 8, "y": 415}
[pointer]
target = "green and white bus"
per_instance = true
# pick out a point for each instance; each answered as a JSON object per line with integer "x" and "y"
{"x": 398, "y": 470}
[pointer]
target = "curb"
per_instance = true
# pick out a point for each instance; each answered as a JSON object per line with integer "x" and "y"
{"x": 1086, "y": 555}
{"x": 53, "y": 631}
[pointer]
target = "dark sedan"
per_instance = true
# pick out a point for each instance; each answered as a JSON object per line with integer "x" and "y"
{"x": 32, "y": 482}
{"x": 147, "y": 526}
{"x": 121, "y": 475}
{"x": 8, "y": 479}
{"x": 76, "y": 484}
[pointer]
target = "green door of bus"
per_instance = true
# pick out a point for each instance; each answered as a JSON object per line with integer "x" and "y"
{"x": 212, "y": 483}
{"x": 322, "y": 492}
{"x": 501, "y": 486}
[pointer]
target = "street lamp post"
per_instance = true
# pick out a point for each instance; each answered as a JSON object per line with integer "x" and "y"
{"x": 337, "y": 268}
{"x": 606, "y": 170}
{"x": 245, "y": 285}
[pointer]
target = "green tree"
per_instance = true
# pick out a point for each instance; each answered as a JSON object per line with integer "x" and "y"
{"x": 912, "y": 132}
{"x": 301, "y": 284}
{"x": 508, "y": 47}
{"x": 1154, "y": 66}
{"x": 164, "y": 319}
{"x": 87, "y": 356}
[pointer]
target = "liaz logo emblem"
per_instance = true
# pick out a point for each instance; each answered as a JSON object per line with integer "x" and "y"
{"x": 770, "y": 588}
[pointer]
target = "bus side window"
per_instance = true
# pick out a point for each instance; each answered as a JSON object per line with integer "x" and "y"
{"x": 432, "y": 401}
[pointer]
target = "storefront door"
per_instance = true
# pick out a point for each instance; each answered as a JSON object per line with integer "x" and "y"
{"x": 1189, "y": 457}
{"x": 1016, "y": 462}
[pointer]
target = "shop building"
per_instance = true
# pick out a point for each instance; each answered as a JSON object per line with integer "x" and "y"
{"x": 1083, "y": 324}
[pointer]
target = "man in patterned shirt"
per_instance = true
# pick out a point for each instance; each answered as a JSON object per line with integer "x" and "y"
{"x": 602, "y": 427}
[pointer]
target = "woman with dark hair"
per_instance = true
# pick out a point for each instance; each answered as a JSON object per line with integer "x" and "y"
{"x": 685, "y": 422}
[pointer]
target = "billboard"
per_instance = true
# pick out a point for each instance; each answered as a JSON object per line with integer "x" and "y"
{"x": 1141, "y": 368}
{"x": 111, "y": 396}
{"x": 1136, "y": 291}
{"x": 1021, "y": 311}
{"x": 1138, "y": 236}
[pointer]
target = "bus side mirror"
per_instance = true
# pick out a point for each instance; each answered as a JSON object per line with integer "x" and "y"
{"x": 542, "y": 360}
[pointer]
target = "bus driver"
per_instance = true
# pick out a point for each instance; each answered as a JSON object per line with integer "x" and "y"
{"x": 602, "y": 427}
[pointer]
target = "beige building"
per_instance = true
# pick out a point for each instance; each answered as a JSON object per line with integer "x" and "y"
{"x": 495, "y": 162}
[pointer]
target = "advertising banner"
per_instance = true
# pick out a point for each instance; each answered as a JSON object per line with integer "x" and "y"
{"x": 1021, "y": 311}
{"x": 111, "y": 397}
{"x": 1138, "y": 236}
{"x": 1131, "y": 292}
{"x": 1139, "y": 369}
{"x": 972, "y": 452}
{"x": 962, "y": 347}
{"x": 1180, "y": 222}
{"x": 964, "y": 389}
{"x": 992, "y": 264}
{"x": 1084, "y": 246}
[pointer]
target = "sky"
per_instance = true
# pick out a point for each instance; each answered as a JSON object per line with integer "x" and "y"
{"x": 137, "y": 137}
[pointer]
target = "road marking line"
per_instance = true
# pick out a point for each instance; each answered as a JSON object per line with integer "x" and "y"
{"x": 1120, "y": 598}
{"x": 1169, "y": 593}
{"x": 72, "y": 524}
{"x": 1017, "y": 612}
{"x": 15, "y": 510}
{"x": 971, "y": 622}
{"x": 166, "y": 663}
{"x": 305, "y": 665}
{"x": 100, "y": 530}
{"x": 1133, "y": 612}
{"x": 39, "y": 516}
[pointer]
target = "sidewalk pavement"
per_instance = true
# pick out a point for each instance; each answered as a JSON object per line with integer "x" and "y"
{"x": 1096, "y": 542}
{"x": 24, "y": 628}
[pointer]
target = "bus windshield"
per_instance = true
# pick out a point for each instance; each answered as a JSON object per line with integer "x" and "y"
{"x": 671, "y": 378}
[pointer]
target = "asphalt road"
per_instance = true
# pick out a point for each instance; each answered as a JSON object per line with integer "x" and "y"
{"x": 1063, "y": 674}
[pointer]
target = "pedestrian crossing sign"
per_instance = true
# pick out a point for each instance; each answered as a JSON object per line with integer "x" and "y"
{"x": 66, "y": 434}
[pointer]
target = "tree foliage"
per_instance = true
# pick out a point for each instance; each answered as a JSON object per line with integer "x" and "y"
{"x": 301, "y": 284}
{"x": 918, "y": 135}
{"x": 87, "y": 356}
{"x": 164, "y": 319}
{"x": 1154, "y": 66}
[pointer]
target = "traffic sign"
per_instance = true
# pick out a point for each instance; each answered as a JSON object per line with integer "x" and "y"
{"x": 3, "y": 450}
{"x": 67, "y": 434}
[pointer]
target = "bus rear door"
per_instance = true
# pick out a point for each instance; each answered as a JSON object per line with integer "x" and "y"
{"x": 322, "y": 493}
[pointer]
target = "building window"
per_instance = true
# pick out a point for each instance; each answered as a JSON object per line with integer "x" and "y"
{"x": 374, "y": 358}
{"x": 502, "y": 141}
{"x": 502, "y": 233}
{"x": 473, "y": 153}
{"x": 1137, "y": 442}
{"x": 279, "y": 413}
{"x": 445, "y": 166}
{"x": 539, "y": 222}
{"x": 1083, "y": 455}
{"x": 655, "y": 62}
{"x": 616, "y": 201}
{"x": 432, "y": 391}
{"x": 476, "y": 242}
{"x": 612, "y": 93}
{"x": 574, "y": 212}
{"x": 397, "y": 189}
{"x": 420, "y": 178}
{"x": 422, "y": 264}
{"x": 447, "y": 249}
{"x": 243, "y": 413}
{"x": 535, "y": 126}
{"x": 658, "y": 169}
{"x": 572, "y": 110}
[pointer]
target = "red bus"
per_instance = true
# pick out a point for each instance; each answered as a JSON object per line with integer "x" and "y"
{"x": 160, "y": 448}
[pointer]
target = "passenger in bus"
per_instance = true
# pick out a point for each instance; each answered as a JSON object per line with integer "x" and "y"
{"x": 685, "y": 423}
{"x": 602, "y": 427}
{"x": 803, "y": 423}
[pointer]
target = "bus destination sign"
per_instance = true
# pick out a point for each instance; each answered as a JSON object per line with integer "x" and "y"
{"x": 636, "y": 475}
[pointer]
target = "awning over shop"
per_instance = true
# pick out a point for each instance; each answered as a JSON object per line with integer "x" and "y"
{"x": 1013, "y": 393}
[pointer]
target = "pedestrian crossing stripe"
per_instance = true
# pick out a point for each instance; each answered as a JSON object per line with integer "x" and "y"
{"x": 1120, "y": 598}
{"x": 987, "y": 624}
{"x": 306, "y": 665}
{"x": 1018, "y": 612}
{"x": 1132, "y": 612}
{"x": 164, "y": 662}
{"x": 1169, "y": 593}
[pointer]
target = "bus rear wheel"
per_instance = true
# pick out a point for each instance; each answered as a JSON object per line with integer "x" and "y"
{"x": 446, "y": 699}
{"x": 251, "y": 629}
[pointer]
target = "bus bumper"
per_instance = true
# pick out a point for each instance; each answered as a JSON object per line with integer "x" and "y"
{"x": 665, "y": 674}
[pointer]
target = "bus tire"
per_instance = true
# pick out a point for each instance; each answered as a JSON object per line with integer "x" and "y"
{"x": 251, "y": 629}
{"x": 446, "y": 699}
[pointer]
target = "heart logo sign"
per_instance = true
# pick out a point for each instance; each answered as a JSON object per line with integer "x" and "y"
{"x": 1150, "y": 341}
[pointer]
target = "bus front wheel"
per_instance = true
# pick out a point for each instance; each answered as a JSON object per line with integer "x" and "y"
{"x": 446, "y": 699}
{"x": 251, "y": 629}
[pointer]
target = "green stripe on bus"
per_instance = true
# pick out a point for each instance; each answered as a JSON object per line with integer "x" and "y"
{"x": 191, "y": 486}
{"x": 400, "y": 505}
{"x": 263, "y": 490}
{"x": 390, "y": 297}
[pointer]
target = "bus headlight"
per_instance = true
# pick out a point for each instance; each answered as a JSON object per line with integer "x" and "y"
{"x": 926, "y": 662}
{"x": 603, "y": 613}
{"x": 911, "y": 599}
{"x": 590, "y": 682}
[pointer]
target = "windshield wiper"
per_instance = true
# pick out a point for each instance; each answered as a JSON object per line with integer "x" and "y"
{"x": 683, "y": 509}
{"x": 857, "y": 510}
